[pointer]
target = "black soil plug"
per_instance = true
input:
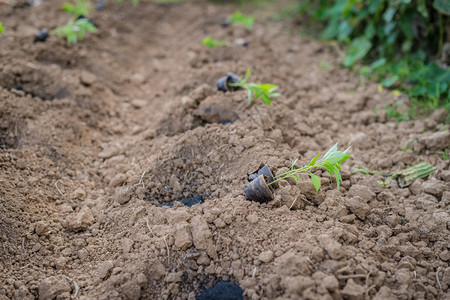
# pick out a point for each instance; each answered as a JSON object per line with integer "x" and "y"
{"x": 241, "y": 42}
{"x": 223, "y": 290}
{"x": 225, "y": 23}
{"x": 41, "y": 36}
{"x": 223, "y": 84}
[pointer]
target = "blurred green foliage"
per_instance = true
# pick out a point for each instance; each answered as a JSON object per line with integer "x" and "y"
{"x": 396, "y": 42}
{"x": 1, "y": 27}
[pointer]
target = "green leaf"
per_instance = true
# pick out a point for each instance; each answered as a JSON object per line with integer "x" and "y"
{"x": 331, "y": 151}
{"x": 313, "y": 161}
{"x": 315, "y": 181}
{"x": 247, "y": 74}
{"x": 388, "y": 82}
{"x": 442, "y": 6}
{"x": 238, "y": 18}
{"x": 1, "y": 27}
{"x": 357, "y": 50}
{"x": 422, "y": 8}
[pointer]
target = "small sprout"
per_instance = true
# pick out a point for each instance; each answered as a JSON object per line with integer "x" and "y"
{"x": 74, "y": 31}
{"x": 81, "y": 8}
{"x": 1, "y": 28}
{"x": 257, "y": 90}
{"x": 238, "y": 18}
{"x": 331, "y": 162}
{"x": 212, "y": 43}
{"x": 133, "y": 2}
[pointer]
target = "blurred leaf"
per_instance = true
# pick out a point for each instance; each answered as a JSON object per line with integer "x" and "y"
{"x": 1, "y": 27}
{"x": 442, "y": 6}
{"x": 388, "y": 82}
{"x": 422, "y": 8}
{"x": 357, "y": 50}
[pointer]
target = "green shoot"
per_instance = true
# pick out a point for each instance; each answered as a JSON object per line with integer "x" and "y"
{"x": 169, "y": 1}
{"x": 212, "y": 43}
{"x": 74, "y": 31}
{"x": 238, "y": 18}
{"x": 444, "y": 154}
{"x": 1, "y": 27}
{"x": 257, "y": 90}
{"x": 133, "y": 2}
{"x": 330, "y": 162}
{"x": 80, "y": 8}
{"x": 409, "y": 145}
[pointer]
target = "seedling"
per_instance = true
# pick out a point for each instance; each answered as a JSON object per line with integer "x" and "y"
{"x": 238, "y": 18}
{"x": 133, "y": 2}
{"x": 331, "y": 162}
{"x": 212, "y": 43}
{"x": 1, "y": 28}
{"x": 74, "y": 31}
{"x": 81, "y": 8}
{"x": 444, "y": 154}
{"x": 257, "y": 90}
{"x": 409, "y": 145}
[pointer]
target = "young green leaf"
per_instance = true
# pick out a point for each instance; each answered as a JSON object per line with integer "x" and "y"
{"x": 80, "y": 8}
{"x": 212, "y": 43}
{"x": 238, "y": 18}
{"x": 315, "y": 181}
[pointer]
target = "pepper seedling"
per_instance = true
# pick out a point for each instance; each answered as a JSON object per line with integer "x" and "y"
{"x": 257, "y": 90}
{"x": 212, "y": 43}
{"x": 330, "y": 162}
{"x": 74, "y": 31}
{"x": 81, "y": 8}
{"x": 238, "y": 18}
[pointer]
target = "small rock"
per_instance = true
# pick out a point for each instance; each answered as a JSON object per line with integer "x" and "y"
{"x": 445, "y": 175}
{"x": 183, "y": 238}
{"x": 139, "y": 103}
{"x": 81, "y": 220}
{"x": 297, "y": 284}
{"x": 353, "y": 291}
{"x": 357, "y": 206}
{"x": 79, "y": 194}
{"x": 42, "y": 228}
{"x": 187, "y": 102}
{"x": 122, "y": 195}
{"x": 437, "y": 141}
{"x": 384, "y": 293}
{"x": 334, "y": 249}
{"x": 22, "y": 293}
{"x": 127, "y": 245}
{"x": 201, "y": 234}
{"x": 109, "y": 151}
{"x": 118, "y": 180}
{"x": 330, "y": 283}
{"x": 253, "y": 218}
{"x": 361, "y": 191}
{"x": 266, "y": 256}
{"x": 403, "y": 276}
{"x": 439, "y": 115}
{"x": 179, "y": 215}
{"x": 174, "y": 277}
{"x": 434, "y": 187}
{"x": 291, "y": 264}
{"x": 87, "y": 78}
{"x": 53, "y": 286}
{"x": 104, "y": 269}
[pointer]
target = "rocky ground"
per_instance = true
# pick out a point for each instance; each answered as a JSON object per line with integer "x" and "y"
{"x": 104, "y": 134}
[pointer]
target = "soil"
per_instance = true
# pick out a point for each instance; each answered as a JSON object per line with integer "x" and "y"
{"x": 96, "y": 137}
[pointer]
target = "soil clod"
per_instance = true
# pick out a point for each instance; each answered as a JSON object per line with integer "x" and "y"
{"x": 223, "y": 84}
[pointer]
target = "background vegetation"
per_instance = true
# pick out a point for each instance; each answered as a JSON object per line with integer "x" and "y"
{"x": 400, "y": 43}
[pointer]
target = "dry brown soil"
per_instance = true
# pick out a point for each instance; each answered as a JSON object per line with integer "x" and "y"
{"x": 107, "y": 130}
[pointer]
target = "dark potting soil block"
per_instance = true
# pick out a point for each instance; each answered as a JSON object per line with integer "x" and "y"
{"x": 189, "y": 202}
{"x": 223, "y": 290}
{"x": 258, "y": 190}
{"x": 225, "y": 23}
{"x": 223, "y": 84}
{"x": 263, "y": 170}
{"x": 41, "y": 36}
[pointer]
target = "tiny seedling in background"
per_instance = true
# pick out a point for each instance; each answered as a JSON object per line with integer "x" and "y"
{"x": 257, "y": 90}
{"x": 81, "y": 8}
{"x": 324, "y": 65}
{"x": 407, "y": 146}
{"x": 1, "y": 28}
{"x": 212, "y": 43}
{"x": 133, "y": 2}
{"x": 331, "y": 162}
{"x": 74, "y": 31}
{"x": 238, "y": 18}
